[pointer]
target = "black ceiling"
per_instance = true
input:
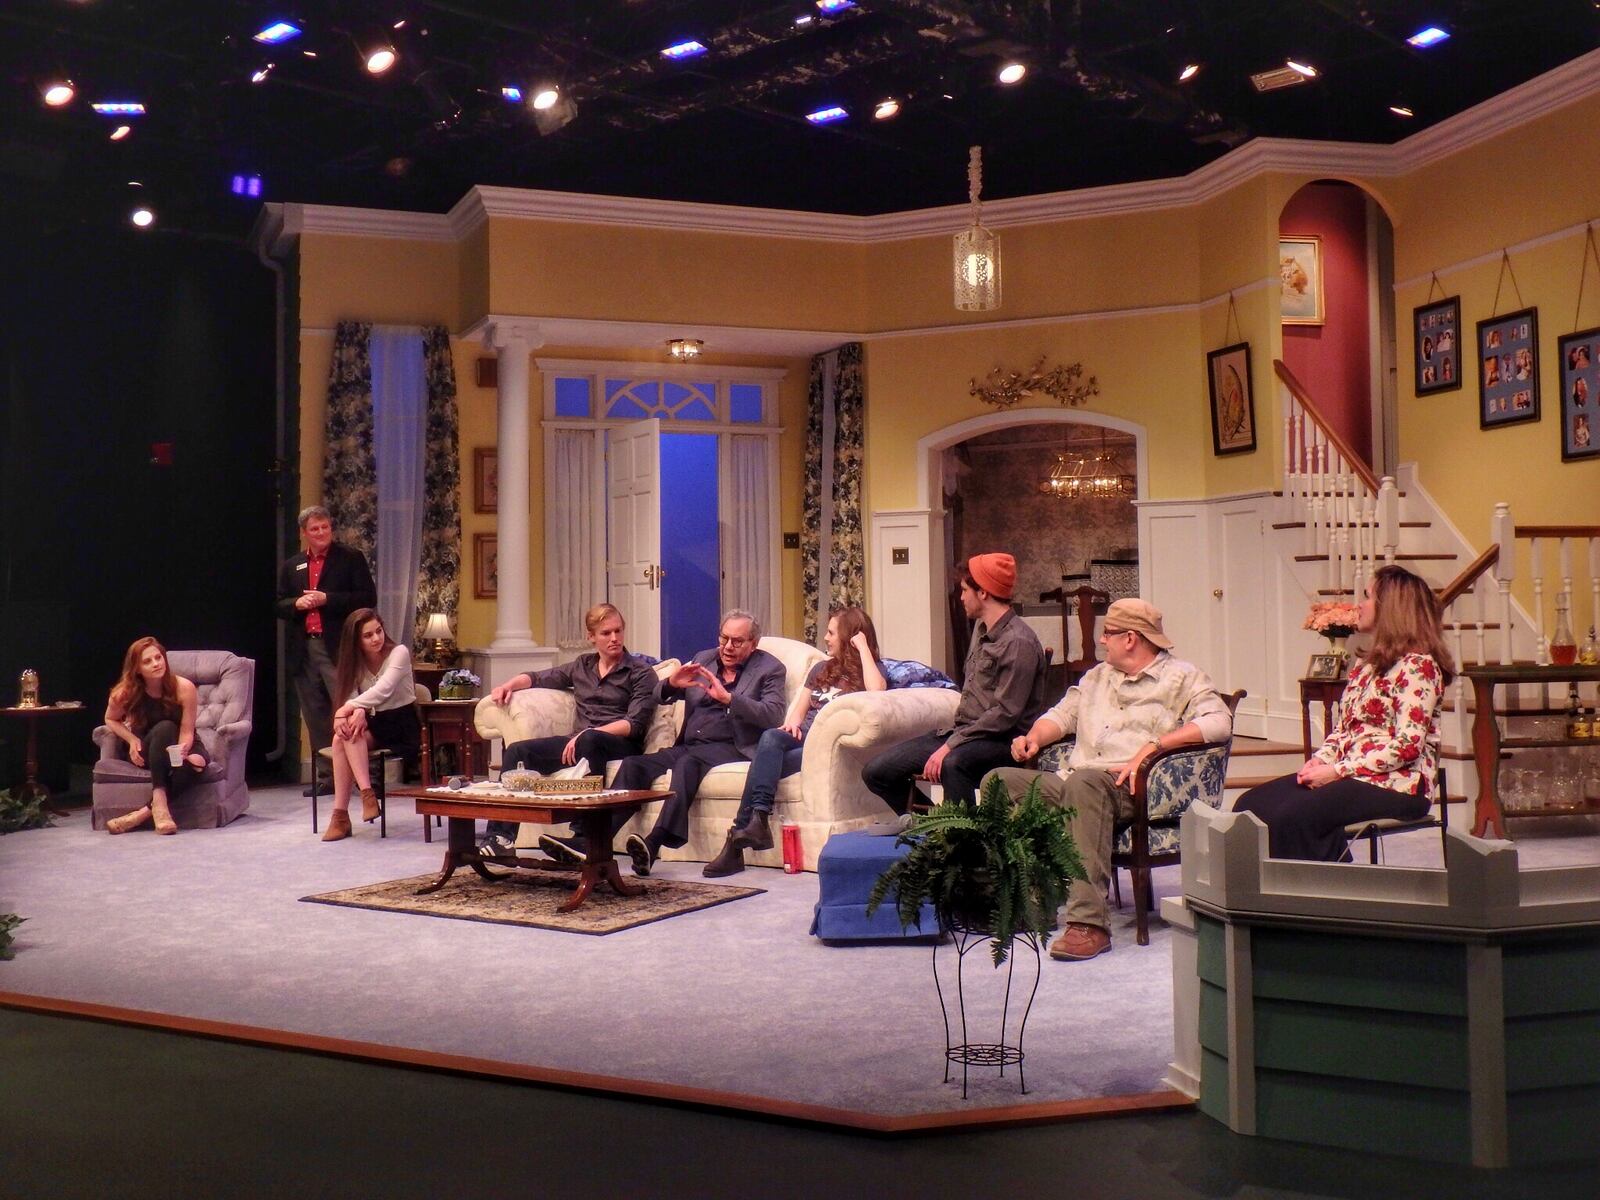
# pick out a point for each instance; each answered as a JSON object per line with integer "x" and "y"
{"x": 1100, "y": 104}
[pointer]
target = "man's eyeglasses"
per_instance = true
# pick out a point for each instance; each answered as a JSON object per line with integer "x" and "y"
{"x": 1111, "y": 633}
{"x": 725, "y": 640}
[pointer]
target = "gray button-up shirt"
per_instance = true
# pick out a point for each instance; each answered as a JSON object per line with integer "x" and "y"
{"x": 1004, "y": 688}
{"x": 1113, "y": 714}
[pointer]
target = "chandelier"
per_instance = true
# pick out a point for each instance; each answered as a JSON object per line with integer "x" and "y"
{"x": 1100, "y": 476}
{"x": 977, "y": 251}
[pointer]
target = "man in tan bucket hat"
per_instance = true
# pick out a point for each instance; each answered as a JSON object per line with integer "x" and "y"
{"x": 1138, "y": 700}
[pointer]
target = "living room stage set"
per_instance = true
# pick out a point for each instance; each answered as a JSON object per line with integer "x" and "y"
{"x": 1137, "y": 282}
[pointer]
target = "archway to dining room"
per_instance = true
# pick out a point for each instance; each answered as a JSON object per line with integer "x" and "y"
{"x": 1055, "y": 488}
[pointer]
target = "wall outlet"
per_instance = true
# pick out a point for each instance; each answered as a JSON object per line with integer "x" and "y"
{"x": 791, "y": 541}
{"x": 900, "y": 556}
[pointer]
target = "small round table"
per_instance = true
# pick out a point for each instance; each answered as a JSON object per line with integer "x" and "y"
{"x": 31, "y": 787}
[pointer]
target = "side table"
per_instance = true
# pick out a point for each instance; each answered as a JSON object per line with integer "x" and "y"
{"x": 450, "y": 723}
{"x": 1326, "y": 692}
{"x": 31, "y": 787}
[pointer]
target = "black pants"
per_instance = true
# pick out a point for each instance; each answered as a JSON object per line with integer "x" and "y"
{"x": 1309, "y": 823}
{"x": 314, "y": 684}
{"x": 889, "y": 774}
{"x": 153, "y": 745}
{"x": 688, "y": 765}
{"x": 544, "y": 755}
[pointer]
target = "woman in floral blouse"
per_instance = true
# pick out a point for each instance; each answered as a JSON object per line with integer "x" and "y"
{"x": 1381, "y": 758}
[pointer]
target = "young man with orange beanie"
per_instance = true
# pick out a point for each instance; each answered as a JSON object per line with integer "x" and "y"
{"x": 1002, "y": 694}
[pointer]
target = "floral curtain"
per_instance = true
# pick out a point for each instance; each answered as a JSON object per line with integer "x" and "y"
{"x": 439, "y": 572}
{"x": 831, "y": 531}
{"x": 349, "y": 468}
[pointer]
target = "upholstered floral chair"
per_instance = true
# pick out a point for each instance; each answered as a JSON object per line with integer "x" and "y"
{"x": 1164, "y": 787}
{"x": 226, "y": 702}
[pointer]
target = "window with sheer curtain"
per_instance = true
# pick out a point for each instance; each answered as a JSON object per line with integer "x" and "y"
{"x": 582, "y": 400}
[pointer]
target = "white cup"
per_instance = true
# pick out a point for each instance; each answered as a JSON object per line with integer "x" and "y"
{"x": 175, "y": 754}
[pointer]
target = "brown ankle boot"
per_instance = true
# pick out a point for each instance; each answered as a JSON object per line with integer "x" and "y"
{"x": 128, "y": 821}
{"x": 338, "y": 826}
{"x": 369, "y": 805}
{"x": 729, "y": 861}
{"x": 755, "y": 834}
{"x": 163, "y": 817}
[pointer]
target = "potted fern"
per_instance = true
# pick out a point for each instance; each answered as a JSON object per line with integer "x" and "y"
{"x": 996, "y": 866}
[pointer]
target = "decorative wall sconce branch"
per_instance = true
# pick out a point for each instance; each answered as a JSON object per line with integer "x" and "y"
{"x": 1065, "y": 384}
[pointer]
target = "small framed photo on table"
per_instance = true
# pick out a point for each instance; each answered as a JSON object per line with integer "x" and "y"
{"x": 1436, "y": 346}
{"x": 1580, "y": 394}
{"x": 1508, "y": 369}
{"x": 1326, "y": 666}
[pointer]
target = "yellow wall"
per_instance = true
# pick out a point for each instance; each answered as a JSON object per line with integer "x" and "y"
{"x": 1075, "y": 280}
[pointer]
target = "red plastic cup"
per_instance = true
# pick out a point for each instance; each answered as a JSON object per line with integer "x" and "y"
{"x": 794, "y": 858}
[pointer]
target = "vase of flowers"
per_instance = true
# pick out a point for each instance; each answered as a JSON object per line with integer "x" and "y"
{"x": 1335, "y": 620}
{"x": 459, "y": 684}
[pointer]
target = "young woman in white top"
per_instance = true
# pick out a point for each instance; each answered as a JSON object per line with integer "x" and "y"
{"x": 380, "y": 712}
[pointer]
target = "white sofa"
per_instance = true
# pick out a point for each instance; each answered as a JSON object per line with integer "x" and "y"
{"x": 825, "y": 797}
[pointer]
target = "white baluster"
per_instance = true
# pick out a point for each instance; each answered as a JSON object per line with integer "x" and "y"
{"x": 1541, "y": 653}
{"x": 1594, "y": 581}
{"x": 1502, "y": 533}
{"x": 1477, "y": 596}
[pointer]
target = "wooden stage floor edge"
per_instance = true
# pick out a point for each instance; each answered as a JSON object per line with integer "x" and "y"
{"x": 634, "y": 1089}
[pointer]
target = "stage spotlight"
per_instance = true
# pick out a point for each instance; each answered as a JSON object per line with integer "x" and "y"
{"x": 119, "y": 108}
{"x": 1402, "y": 110}
{"x": 886, "y": 109}
{"x": 555, "y": 115}
{"x": 379, "y": 58}
{"x": 684, "y": 50}
{"x": 142, "y": 217}
{"x": 826, "y": 116}
{"x": 1012, "y": 72}
{"x": 1301, "y": 68}
{"x": 58, "y": 92}
{"x": 120, "y": 132}
{"x": 1430, "y": 36}
{"x": 278, "y": 31}
{"x": 1190, "y": 70}
{"x": 511, "y": 94}
{"x": 261, "y": 75}
{"x": 545, "y": 98}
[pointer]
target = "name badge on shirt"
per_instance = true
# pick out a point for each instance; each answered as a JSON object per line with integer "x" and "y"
{"x": 301, "y": 566}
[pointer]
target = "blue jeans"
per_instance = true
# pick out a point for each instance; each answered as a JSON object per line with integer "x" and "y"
{"x": 777, "y": 755}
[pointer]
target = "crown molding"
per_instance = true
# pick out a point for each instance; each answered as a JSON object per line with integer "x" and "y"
{"x": 1554, "y": 89}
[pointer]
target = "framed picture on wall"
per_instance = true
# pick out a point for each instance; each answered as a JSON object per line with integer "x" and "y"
{"x": 1580, "y": 394}
{"x": 1508, "y": 369}
{"x": 1436, "y": 346}
{"x": 1300, "y": 277}
{"x": 1233, "y": 408}
{"x": 486, "y": 479}
{"x": 485, "y": 565}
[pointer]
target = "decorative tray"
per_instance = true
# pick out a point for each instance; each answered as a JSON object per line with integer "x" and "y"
{"x": 516, "y": 781}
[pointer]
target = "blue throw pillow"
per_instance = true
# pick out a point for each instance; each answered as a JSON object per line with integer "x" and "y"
{"x": 908, "y": 673}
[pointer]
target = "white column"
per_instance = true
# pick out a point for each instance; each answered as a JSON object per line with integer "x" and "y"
{"x": 513, "y": 341}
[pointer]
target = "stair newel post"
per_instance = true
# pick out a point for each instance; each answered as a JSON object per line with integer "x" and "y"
{"x": 1503, "y": 534}
{"x": 1541, "y": 654}
{"x": 1389, "y": 518}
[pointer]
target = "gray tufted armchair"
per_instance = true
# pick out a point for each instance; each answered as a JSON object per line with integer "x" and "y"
{"x": 225, "y": 684}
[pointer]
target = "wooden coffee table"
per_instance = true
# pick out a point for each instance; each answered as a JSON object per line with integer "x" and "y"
{"x": 591, "y": 815}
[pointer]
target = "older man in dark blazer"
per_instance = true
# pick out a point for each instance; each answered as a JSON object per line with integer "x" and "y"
{"x": 317, "y": 590}
{"x": 732, "y": 695}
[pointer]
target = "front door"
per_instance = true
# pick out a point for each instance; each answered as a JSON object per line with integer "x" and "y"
{"x": 633, "y": 526}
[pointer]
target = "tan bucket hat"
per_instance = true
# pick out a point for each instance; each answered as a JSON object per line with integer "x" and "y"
{"x": 1140, "y": 617}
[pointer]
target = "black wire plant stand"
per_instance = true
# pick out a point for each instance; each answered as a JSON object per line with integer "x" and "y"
{"x": 968, "y": 1053}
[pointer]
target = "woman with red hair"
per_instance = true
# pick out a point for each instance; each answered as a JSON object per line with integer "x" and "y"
{"x": 152, "y": 708}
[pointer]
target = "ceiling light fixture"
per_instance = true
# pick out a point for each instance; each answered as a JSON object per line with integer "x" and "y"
{"x": 545, "y": 97}
{"x": 1012, "y": 72}
{"x": 380, "y": 57}
{"x": 886, "y": 109}
{"x": 830, "y": 8}
{"x": 977, "y": 251}
{"x": 684, "y": 50}
{"x": 142, "y": 217}
{"x": 1102, "y": 476}
{"x": 261, "y": 75}
{"x": 278, "y": 31}
{"x": 804, "y": 20}
{"x": 683, "y": 349}
{"x": 58, "y": 92}
{"x": 119, "y": 108}
{"x": 1190, "y": 70}
{"x": 1402, "y": 110}
{"x": 1432, "y": 35}
{"x": 511, "y": 94}
{"x": 827, "y": 116}
{"x": 1300, "y": 68}
{"x": 120, "y": 132}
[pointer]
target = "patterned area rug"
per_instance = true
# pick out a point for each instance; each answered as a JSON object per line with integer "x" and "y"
{"x": 531, "y": 897}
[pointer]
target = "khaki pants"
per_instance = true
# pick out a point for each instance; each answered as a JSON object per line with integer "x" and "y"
{"x": 1099, "y": 803}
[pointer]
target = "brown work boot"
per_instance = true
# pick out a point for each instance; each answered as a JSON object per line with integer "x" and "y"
{"x": 338, "y": 826}
{"x": 729, "y": 860}
{"x": 1078, "y": 942}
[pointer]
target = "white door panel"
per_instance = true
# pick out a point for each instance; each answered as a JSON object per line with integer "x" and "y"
{"x": 633, "y": 527}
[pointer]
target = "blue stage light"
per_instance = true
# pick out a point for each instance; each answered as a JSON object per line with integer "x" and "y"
{"x": 278, "y": 31}
{"x": 684, "y": 50}
{"x": 1431, "y": 36}
{"x": 119, "y": 108}
{"x": 825, "y": 116}
{"x": 246, "y": 185}
{"x": 512, "y": 95}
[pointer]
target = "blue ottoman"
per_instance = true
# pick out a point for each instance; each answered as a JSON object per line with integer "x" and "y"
{"x": 847, "y": 869}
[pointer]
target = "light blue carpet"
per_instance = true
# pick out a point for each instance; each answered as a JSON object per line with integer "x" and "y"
{"x": 737, "y": 998}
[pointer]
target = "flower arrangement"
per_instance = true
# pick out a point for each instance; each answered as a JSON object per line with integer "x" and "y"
{"x": 458, "y": 684}
{"x": 1333, "y": 618}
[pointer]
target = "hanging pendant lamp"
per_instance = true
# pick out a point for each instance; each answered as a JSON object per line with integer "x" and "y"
{"x": 977, "y": 251}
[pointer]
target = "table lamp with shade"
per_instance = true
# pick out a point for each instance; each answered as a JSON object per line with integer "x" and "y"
{"x": 437, "y": 634}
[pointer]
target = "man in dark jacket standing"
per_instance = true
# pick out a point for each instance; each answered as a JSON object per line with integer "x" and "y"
{"x": 732, "y": 695}
{"x": 317, "y": 590}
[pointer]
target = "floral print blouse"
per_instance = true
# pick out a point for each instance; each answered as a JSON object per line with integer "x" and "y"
{"x": 1388, "y": 733}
